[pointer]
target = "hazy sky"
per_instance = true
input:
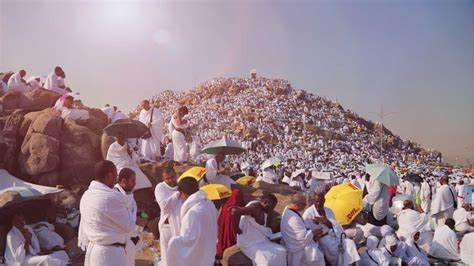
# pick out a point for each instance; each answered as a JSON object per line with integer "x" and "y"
{"x": 415, "y": 57}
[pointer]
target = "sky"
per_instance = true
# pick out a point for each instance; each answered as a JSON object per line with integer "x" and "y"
{"x": 413, "y": 57}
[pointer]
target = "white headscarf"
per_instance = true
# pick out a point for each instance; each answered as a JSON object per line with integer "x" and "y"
{"x": 372, "y": 242}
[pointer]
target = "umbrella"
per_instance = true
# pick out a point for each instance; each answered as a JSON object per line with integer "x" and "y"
{"x": 273, "y": 161}
{"x": 223, "y": 145}
{"x": 196, "y": 172}
{"x": 383, "y": 173}
{"x": 413, "y": 178}
{"x": 216, "y": 191}
{"x": 126, "y": 128}
{"x": 245, "y": 180}
{"x": 345, "y": 201}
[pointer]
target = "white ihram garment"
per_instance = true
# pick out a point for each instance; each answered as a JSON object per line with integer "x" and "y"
{"x": 254, "y": 243}
{"x": 132, "y": 207}
{"x": 180, "y": 146}
{"x": 425, "y": 196}
{"x": 15, "y": 251}
{"x": 442, "y": 206}
{"x": 410, "y": 222}
{"x": 105, "y": 220}
{"x": 119, "y": 156}
{"x": 151, "y": 147}
{"x": 378, "y": 198}
{"x": 15, "y": 83}
{"x": 196, "y": 243}
{"x": 444, "y": 245}
{"x": 53, "y": 82}
{"x": 298, "y": 240}
{"x": 170, "y": 208}
{"x": 212, "y": 175}
{"x": 461, "y": 217}
{"x": 330, "y": 243}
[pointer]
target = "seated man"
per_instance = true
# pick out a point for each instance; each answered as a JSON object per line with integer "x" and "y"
{"x": 319, "y": 217}
{"x": 123, "y": 157}
{"x": 415, "y": 251}
{"x": 372, "y": 256}
{"x": 17, "y": 82}
{"x": 300, "y": 242}
{"x": 254, "y": 232}
{"x": 395, "y": 251}
{"x": 214, "y": 171}
{"x": 411, "y": 221}
{"x": 444, "y": 245}
{"x": 464, "y": 219}
{"x": 34, "y": 83}
{"x": 55, "y": 81}
{"x": 65, "y": 106}
{"x": 23, "y": 248}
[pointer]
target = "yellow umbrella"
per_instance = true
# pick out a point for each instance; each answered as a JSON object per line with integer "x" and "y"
{"x": 345, "y": 200}
{"x": 216, "y": 191}
{"x": 246, "y": 180}
{"x": 196, "y": 172}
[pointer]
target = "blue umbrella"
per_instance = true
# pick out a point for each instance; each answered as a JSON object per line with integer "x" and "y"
{"x": 383, "y": 173}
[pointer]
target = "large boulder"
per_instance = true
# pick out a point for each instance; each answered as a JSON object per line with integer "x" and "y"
{"x": 10, "y": 141}
{"x": 47, "y": 123}
{"x": 97, "y": 121}
{"x": 12, "y": 100}
{"x": 39, "y": 154}
{"x": 39, "y": 99}
{"x": 79, "y": 151}
{"x": 28, "y": 119}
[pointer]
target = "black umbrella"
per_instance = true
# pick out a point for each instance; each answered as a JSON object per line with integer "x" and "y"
{"x": 126, "y": 128}
{"x": 413, "y": 178}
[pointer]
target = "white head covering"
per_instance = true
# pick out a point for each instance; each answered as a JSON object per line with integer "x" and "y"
{"x": 386, "y": 230}
{"x": 467, "y": 249}
{"x": 372, "y": 242}
{"x": 390, "y": 241}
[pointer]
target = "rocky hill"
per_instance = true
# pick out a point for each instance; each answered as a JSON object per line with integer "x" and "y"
{"x": 271, "y": 118}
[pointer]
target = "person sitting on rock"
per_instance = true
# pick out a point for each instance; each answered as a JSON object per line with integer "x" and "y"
{"x": 65, "y": 105}
{"x": 55, "y": 81}
{"x": 23, "y": 247}
{"x": 17, "y": 82}
{"x": 124, "y": 157}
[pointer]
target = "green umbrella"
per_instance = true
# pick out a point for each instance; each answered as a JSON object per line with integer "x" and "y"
{"x": 383, "y": 173}
{"x": 223, "y": 145}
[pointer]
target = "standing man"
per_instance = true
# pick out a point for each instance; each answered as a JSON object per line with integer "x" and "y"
{"x": 151, "y": 143}
{"x": 444, "y": 202}
{"x": 106, "y": 223}
{"x": 215, "y": 171}
{"x": 126, "y": 184}
{"x": 177, "y": 129}
{"x": 196, "y": 243}
{"x": 170, "y": 201}
{"x": 425, "y": 196}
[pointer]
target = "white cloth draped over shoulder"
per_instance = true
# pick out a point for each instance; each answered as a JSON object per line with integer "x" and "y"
{"x": 105, "y": 220}
{"x": 180, "y": 146}
{"x": 132, "y": 208}
{"x": 298, "y": 240}
{"x": 151, "y": 148}
{"x": 378, "y": 198}
{"x": 330, "y": 243}
{"x": 170, "y": 206}
{"x": 444, "y": 245}
{"x": 410, "y": 222}
{"x": 462, "y": 217}
{"x": 53, "y": 82}
{"x": 425, "y": 196}
{"x": 196, "y": 243}
{"x": 443, "y": 199}
{"x": 15, "y": 83}
{"x": 119, "y": 156}
{"x": 15, "y": 251}
{"x": 270, "y": 176}
{"x": 213, "y": 176}
{"x": 255, "y": 244}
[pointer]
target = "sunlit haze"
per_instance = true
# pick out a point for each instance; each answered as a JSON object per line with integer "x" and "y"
{"x": 416, "y": 58}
